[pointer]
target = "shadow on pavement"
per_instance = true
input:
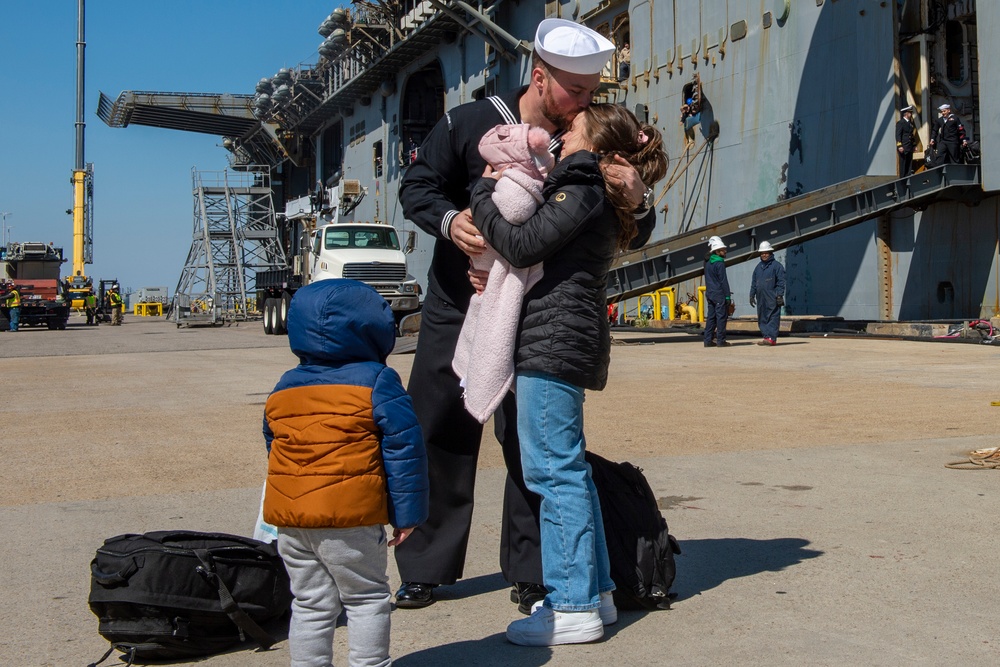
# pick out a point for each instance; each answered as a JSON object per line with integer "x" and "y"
{"x": 467, "y": 588}
{"x": 492, "y": 651}
{"x": 705, "y": 564}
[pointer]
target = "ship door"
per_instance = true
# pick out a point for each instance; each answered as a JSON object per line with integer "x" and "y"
{"x": 421, "y": 107}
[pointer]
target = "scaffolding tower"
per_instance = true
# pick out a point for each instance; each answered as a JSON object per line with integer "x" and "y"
{"x": 235, "y": 235}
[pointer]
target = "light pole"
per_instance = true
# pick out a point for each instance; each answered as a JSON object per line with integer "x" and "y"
{"x": 5, "y": 214}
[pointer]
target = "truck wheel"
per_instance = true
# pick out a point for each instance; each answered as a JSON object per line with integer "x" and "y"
{"x": 280, "y": 316}
{"x": 269, "y": 317}
{"x": 286, "y": 302}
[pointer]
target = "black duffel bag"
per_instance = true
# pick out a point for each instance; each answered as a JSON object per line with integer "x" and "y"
{"x": 640, "y": 546}
{"x": 179, "y": 594}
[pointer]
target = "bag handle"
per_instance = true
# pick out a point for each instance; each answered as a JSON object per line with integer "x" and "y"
{"x": 110, "y": 579}
{"x": 179, "y": 537}
{"x": 229, "y": 605}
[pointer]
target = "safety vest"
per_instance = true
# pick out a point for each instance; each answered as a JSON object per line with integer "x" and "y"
{"x": 14, "y": 299}
{"x": 90, "y": 301}
{"x": 115, "y": 298}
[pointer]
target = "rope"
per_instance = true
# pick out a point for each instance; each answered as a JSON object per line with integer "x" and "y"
{"x": 674, "y": 176}
{"x": 980, "y": 459}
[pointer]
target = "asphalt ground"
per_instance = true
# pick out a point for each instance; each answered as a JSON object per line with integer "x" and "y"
{"x": 805, "y": 483}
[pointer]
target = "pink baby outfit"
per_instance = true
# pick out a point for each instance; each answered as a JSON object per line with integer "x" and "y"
{"x": 484, "y": 356}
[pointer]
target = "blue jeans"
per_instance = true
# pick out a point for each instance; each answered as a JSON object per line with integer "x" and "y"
{"x": 575, "y": 564}
{"x": 15, "y": 318}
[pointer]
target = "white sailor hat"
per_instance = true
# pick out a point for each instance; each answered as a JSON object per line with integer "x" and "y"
{"x": 944, "y": 106}
{"x": 572, "y": 47}
{"x": 905, "y": 109}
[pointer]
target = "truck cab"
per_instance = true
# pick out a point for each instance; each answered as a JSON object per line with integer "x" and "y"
{"x": 370, "y": 253}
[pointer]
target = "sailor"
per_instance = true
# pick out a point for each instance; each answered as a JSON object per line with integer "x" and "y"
{"x": 906, "y": 141}
{"x": 948, "y": 137}
{"x": 434, "y": 193}
{"x": 767, "y": 293}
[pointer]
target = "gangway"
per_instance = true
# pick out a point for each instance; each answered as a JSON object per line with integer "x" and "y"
{"x": 789, "y": 222}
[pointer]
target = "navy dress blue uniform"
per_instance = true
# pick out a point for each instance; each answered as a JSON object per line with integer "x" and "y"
{"x": 906, "y": 133}
{"x": 718, "y": 297}
{"x": 436, "y": 187}
{"x": 949, "y": 139}
{"x": 766, "y": 285}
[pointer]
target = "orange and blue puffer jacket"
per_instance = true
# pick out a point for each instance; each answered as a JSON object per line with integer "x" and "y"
{"x": 345, "y": 448}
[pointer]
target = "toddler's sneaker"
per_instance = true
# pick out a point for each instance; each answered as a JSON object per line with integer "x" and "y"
{"x": 547, "y": 627}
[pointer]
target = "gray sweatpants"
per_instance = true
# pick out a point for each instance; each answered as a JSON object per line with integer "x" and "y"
{"x": 333, "y": 569}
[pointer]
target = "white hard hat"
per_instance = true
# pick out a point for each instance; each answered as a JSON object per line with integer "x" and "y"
{"x": 572, "y": 47}
{"x": 715, "y": 243}
{"x": 765, "y": 247}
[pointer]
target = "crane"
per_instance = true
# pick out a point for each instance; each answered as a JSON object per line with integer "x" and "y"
{"x": 78, "y": 285}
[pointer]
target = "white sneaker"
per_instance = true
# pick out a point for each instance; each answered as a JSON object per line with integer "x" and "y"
{"x": 607, "y": 610}
{"x": 547, "y": 627}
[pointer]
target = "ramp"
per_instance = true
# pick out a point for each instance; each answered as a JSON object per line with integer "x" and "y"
{"x": 788, "y": 223}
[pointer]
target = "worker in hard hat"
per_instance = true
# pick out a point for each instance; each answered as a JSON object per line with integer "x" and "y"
{"x": 13, "y": 301}
{"x": 717, "y": 294}
{"x": 117, "y": 306}
{"x": 90, "y": 308}
{"x": 767, "y": 293}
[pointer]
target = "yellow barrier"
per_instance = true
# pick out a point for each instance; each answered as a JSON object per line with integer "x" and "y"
{"x": 701, "y": 303}
{"x": 657, "y": 303}
{"x": 148, "y": 309}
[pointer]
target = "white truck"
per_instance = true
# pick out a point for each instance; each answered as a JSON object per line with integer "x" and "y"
{"x": 366, "y": 251}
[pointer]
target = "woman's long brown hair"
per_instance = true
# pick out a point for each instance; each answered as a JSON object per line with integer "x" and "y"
{"x": 613, "y": 130}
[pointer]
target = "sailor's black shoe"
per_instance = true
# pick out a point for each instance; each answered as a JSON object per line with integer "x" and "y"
{"x": 414, "y": 595}
{"x": 526, "y": 595}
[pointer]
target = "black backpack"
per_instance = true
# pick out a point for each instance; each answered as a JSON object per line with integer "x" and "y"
{"x": 179, "y": 594}
{"x": 639, "y": 546}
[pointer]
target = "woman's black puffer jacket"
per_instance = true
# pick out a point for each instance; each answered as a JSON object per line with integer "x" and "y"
{"x": 564, "y": 327}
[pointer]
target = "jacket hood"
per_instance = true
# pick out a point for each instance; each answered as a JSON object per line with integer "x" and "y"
{"x": 340, "y": 321}
{"x": 519, "y": 147}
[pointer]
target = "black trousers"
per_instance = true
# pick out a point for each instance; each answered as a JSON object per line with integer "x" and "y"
{"x": 905, "y": 163}
{"x": 435, "y": 552}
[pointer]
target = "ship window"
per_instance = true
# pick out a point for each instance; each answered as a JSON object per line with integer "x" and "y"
{"x": 357, "y": 133}
{"x": 738, "y": 31}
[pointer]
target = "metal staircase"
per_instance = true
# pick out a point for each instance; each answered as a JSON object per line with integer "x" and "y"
{"x": 235, "y": 236}
{"x": 787, "y": 223}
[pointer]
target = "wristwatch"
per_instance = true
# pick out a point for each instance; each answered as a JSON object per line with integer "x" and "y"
{"x": 647, "y": 201}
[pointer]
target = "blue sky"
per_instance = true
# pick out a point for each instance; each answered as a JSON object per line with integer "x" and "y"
{"x": 142, "y": 182}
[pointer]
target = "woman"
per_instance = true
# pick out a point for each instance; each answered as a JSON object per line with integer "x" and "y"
{"x": 564, "y": 347}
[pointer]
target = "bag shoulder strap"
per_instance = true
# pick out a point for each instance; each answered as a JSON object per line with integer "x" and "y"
{"x": 230, "y": 606}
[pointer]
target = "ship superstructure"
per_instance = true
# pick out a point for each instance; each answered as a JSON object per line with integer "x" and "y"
{"x": 766, "y": 106}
